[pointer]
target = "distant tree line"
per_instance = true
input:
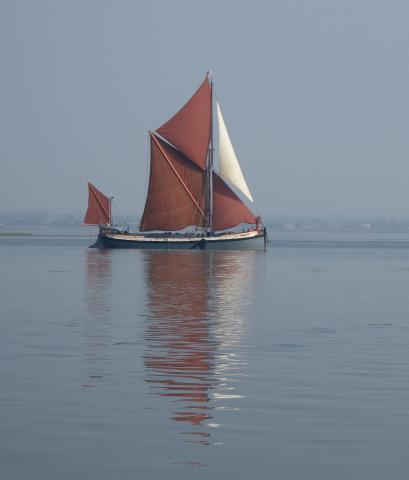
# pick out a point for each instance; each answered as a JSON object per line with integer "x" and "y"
{"x": 277, "y": 223}
{"x": 44, "y": 218}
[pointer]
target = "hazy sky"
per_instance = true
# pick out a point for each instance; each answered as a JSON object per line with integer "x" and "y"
{"x": 315, "y": 95}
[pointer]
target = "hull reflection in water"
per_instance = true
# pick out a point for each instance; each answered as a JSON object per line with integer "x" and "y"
{"x": 193, "y": 332}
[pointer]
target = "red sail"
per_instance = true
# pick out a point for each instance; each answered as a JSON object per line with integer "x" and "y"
{"x": 98, "y": 212}
{"x": 189, "y": 129}
{"x": 228, "y": 209}
{"x": 175, "y": 194}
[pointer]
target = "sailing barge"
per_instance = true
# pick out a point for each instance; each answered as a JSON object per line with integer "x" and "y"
{"x": 189, "y": 203}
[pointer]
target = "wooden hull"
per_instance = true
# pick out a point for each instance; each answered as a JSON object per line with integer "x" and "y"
{"x": 231, "y": 241}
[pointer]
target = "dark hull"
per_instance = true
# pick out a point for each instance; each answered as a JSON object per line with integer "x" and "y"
{"x": 228, "y": 242}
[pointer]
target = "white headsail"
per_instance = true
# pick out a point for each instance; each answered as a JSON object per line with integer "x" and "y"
{"x": 229, "y": 166}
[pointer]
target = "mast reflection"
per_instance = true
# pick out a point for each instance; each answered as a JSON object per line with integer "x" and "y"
{"x": 195, "y": 322}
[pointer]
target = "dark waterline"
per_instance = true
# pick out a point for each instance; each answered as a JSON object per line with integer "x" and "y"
{"x": 288, "y": 363}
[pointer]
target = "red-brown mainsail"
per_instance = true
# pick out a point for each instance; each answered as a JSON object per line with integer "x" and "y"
{"x": 175, "y": 197}
{"x": 99, "y": 208}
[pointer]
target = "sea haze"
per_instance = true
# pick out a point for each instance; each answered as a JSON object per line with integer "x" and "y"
{"x": 287, "y": 363}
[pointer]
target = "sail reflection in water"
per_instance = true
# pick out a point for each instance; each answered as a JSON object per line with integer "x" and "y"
{"x": 195, "y": 322}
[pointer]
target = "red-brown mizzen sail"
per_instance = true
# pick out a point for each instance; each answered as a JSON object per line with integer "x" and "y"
{"x": 189, "y": 129}
{"x": 228, "y": 209}
{"x": 99, "y": 211}
{"x": 175, "y": 197}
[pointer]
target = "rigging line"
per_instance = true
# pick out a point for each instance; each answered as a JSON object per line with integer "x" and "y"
{"x": 176, "y": 173}
{"x": 147, "y": 167}
{"x": 119, "y": 213}
{"x": 147, "y": 178}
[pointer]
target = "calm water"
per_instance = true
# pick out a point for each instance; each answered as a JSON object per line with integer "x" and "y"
{"x": 290, "y": 363}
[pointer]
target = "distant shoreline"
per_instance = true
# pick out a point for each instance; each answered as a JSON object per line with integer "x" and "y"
{"x": 14, "y": 234}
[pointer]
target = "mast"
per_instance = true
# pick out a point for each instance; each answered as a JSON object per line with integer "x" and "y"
{"x": 110, "y": 211}
{"x": 209, "y": 179}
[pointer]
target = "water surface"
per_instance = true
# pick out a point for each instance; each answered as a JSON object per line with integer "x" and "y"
{"x": 289, "y": 363}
